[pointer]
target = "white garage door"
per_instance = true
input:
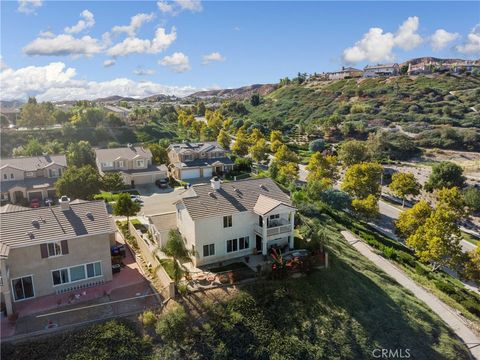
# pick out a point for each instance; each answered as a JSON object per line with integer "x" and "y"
{"x": 143, "y": 179}
{"x": 190, "y": 174}
{"x": 207, "y": 172}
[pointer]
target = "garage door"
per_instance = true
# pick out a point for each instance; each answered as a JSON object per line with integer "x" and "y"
{"x": 143, "y": 179}
{"x": 207, "y": 172}
{"x": 35, "y": 195}
{"x": 190, "y": 174}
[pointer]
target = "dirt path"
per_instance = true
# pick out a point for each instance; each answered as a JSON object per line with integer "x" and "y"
{"x": 447, "y": 314}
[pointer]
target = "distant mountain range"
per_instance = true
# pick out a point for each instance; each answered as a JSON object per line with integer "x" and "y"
{"x": 238, "y": 93}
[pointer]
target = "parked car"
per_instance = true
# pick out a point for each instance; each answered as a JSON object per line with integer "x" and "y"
{"x": 49, "y": 202}
{"x": 161, "y": 183}
{"x": 136, "y": 198}
{"x": 34, "y": 203}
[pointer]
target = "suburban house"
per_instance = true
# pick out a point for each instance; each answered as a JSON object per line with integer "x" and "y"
{"x": 54, "y": 250}
{"x": 134, "y": 163}
{"x": 381, "y": 70}
{"x": 420, "y": 68}
{"x": 221, "y": 221}
{"x": 345, "y": 73}
{"x": 27, "y": 178}
{"x": 197, "y": 160}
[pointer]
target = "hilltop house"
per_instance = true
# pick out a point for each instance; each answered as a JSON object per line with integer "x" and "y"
{"x": 345, "y": 73}
{"x": 381, "y": 70}
{"x": 134, "y": 163}
{"x": 223, "y": 221}
{"x": 196, "y": 160}
{"x": 53, "y": 250}
{"x": 27, "y": 178}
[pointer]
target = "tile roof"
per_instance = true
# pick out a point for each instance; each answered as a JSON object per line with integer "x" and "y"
{"x": 46, "y": 224}
{"x": 203, "y": 162}
{"x": 266, "y": 204}
{"x": 165, "y": 221}
{"x": 129, "y": 153}
{"x": 380, "y": 66}
{"x": 196, "y": 147}
{"x": 12, "y": 208}
{"x": 29, "y": 183}
{"x": 231, "y": 198}
{"x": 34, "y": 163}
{"x": 151, "y": 168}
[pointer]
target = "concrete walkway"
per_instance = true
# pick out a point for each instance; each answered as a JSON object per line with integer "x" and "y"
{"x": 446, "y": 313}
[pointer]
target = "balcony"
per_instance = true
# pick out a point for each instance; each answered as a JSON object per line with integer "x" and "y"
{"x": 275, "y": 227}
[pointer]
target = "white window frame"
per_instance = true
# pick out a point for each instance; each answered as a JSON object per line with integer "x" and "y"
{"x": 209, "y": 247}
{"x": 30, "y": 174}
{"x": 274, "y": 216}
{"x": 54, "y": 244}
{"x": 68, "y": 276}
{"x": 246, "y": 240}
{"x": 33, "y": 287}
{"x": 229, "y": 221}
{"x": 121, "y": 163}
{"x": 108, "y": 164}
{"x": 140, "y": 163}
{"x": 234, "y": 245}
{"x": 85, "y": 270}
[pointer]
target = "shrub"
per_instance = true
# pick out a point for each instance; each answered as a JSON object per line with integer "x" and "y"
{"x": 317, "y": 145}
{"x": 173, "y": 325}
{"x": 406, "y": 259}
{"x": 389, "y": 252}
{"x": 148, "y": 318}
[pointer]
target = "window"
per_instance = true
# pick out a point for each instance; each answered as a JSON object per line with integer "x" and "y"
{"x": 12, "y": 176}
{"x": 60, "y": 276}
{"x": 208, "y": 250}
{"x": 187, "y": 157}
{"x": 30, "y": 174}
{"x": 53, "y": 173}
{"x": 54, "y": 249}
{"x": 227, "y": 221}
{"x": 107, "y": 164}
{"x": 23, "y": 288}
{"x": 244, "y": 242}
{"x": 77, "y": 273}
{"x": 5, "y": 177}
{"x": 140, "y": 163}
{"x": 276, "y": 216}
{"x": 94, "y": 269}
{"x": 232, "y": 245}
{"x": 120, "y": 163}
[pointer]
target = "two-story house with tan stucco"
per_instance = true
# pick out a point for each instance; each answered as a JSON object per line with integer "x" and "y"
{"x": 221, "y": 221}
{"x": 27, "y": 178}
{"x": 381, "y": 70}
{"x": 134, "y": 163}
{"x": 198, "y": 160}
{"x": 54, "y": 250}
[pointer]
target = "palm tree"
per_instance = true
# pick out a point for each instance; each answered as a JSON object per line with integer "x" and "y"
{"x": 175, "y": 249}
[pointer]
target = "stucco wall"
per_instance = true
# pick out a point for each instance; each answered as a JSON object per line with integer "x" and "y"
{"x": 28, "y": 261}
{"x": 19, "y": 174}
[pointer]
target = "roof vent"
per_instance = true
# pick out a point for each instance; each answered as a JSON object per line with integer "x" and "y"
{"x": 263, "y": 187}
{"x": 64, "y": 203}
{"x": 89, "y": 215}
{"x": 237, "y": 190}
{"x": 215, "y": 182}
{"x": 212, "y": 195}
{"x": 30, "y": 234}
{"x": 36, "y": 224}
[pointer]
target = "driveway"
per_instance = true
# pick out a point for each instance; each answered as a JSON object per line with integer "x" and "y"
{"x": 445, "y": 312}
{"x": 158, "y": 201}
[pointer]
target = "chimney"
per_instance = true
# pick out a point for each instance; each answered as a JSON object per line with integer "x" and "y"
{"x": 64, "y": 203}
{"x": 215, "y": 183}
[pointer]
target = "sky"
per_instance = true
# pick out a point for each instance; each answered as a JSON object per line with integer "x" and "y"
{"x": 66, "y": 50}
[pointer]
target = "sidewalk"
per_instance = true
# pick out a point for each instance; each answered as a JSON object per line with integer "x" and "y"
{"x": 447, "y": 314}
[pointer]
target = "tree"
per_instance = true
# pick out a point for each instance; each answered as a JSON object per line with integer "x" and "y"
{"x": 437, "y": 240}
{"x": 175, "y": 249}
{"x": 241, "y": 144}
{"x": 223, "y": 139}
{"x": 255, "y": 100}
{"x": 33, "y": 148}
{"x": 288, "y": 173}
{"x": 275, "y": 135}
{"x": 79, "y": 182}
{"x": 285, "y": 155}
{"x": 315, "y": 188}
{"x": 317, "y": 145}
{"x": 256, "y": 136}
{"x": 451, "y": 200}
{"x": 366, "y": 208}
{"x": 322, "y": 167}
{"x": 403, "y": 185}
{"x": 80, "y": 154}
{"x": 353, "y": 152}
{"x": 471, "y": 197}
{"x": 159, "y": 154}
{"x": 125, "y": 206}
{"x": 411, "y": 219}
{"x": 33, "y": 114}
{"x": 362, "y": 180}
{"x": 275, "y": 145}
{"x": 112, "y": 181}
{"x": 471, "y": 265}
{"x": 259, "y": 150}
{"x": 201, "y": 108}
{"x": 445, "y": 175}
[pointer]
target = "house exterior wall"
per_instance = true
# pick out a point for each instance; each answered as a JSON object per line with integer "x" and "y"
{"x": 18, "y": 174}
{"x": 28, "y": 261}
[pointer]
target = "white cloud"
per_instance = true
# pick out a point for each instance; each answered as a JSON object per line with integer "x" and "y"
{"x": 3, "y": 66}
{"x": 135, "y": 23}
{"x": 55, "y": 82}
{"x": 87, "y": 22}
{"x": 377, "y": 45}
{"x": 191, "y": 5}
{"x": 472, "y": 45}
{"x": 374, "y": 46}
{"x": 62, "y": 45}
{"x": 164, "y": 6}
{"x": 441, "y": 38}
{"x": 215, "y": 56}
{"x": 178, "y": 62}
{"x": 109, "y": 62}
{"x": 46, "y": 34}
{"x": 406, "y": 36}
{"x": 133, "y": 45}
{"x": 29, "y": 6}
{"x": 144, "y": 72}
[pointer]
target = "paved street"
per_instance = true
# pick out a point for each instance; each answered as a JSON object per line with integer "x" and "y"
{"x": 446, "y": 313}
{"x": 158, "y": 201}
